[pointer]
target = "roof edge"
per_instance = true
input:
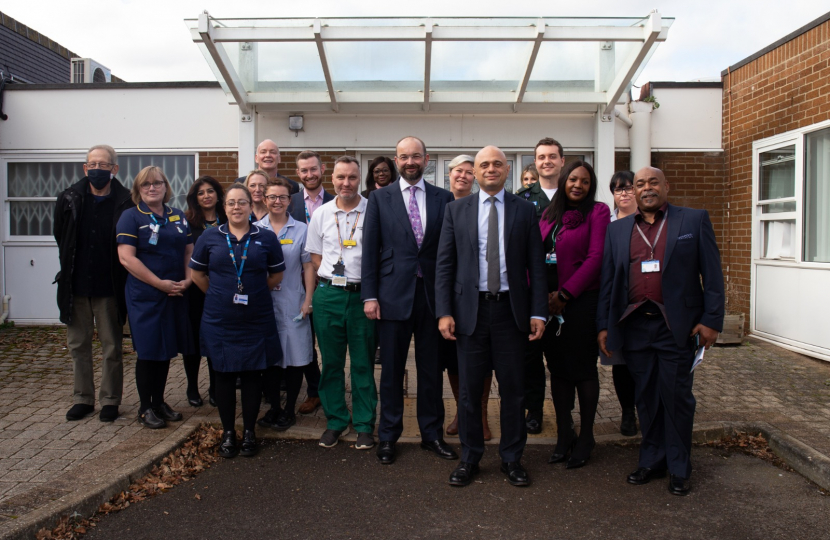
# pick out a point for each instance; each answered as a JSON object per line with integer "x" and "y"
{"x": 769, "y": 48}
{"x": 114, "y": 86}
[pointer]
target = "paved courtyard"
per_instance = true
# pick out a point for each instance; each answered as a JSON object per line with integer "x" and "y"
{"x": 44, "y": 458}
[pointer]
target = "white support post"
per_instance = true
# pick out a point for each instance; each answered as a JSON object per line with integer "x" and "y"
{"x": 520, "y": 92}
{"x": 321, "y": 50}
{"x": 651, "y": 32}
{"x": 427, "y": 64}
{"x": 247, "y": 142}
{"x": 223, "y": 63}
{"x": 604, "y": 154}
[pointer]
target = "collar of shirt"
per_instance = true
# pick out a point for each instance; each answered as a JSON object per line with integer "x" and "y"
{"x": 265, "y": 222}
{"x": 254, "y": 230}
{"x": 482, "y": 196}
{"x": 361, "y": 206}
{"x": 319, "y": 196}
{"x": 406, "y": 185}
{"x": 659, "y": 215}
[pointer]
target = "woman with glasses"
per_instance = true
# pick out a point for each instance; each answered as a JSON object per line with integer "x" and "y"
{"x": 292, "y": 306}
{"x": 381, "y": 173}
{"x": 154, "y": 246}
{"x": 256, "y": 182}
{"x": 205, "y": 210}
{"x": 235, "y": 265}
{"x": 622, "y": 186}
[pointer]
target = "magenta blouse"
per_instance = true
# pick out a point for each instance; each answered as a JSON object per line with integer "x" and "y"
{"x": 579, "y": 246}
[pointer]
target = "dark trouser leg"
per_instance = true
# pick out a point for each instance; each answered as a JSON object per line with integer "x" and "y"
{"x": 430, "y": 404}
{"x": 395, "y": 337}
{"x": 271, "y": 381}
{"x": 143, "y": 382}
{"x": 161, "y": 369}
{"x": 563, "y": 392}
{"x": 251, "y": 398}
{"x": 191, "y": 370}
{"x": 534, "y": 368}
{"x": 624, "y": 386}
{"x": 294, "y": 381}
{"x": 226, "y": 399}
{"x": 312, "y": 370}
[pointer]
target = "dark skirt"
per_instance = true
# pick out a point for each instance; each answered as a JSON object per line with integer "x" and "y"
{"x": 573, "y": 354}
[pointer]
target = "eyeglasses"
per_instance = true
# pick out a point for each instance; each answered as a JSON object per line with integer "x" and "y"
{"x": 625, "y": 189}
{"x": 147, "y": 185}
{"x": 413, "y": 157}
{"x": 274, "y": 198}
{"x": 100, "y": 165}
{"x": 242, "y": 203}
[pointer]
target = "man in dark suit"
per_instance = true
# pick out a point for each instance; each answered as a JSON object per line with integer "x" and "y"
{"x": 310, "y": 171}
{"x": 490, "y": 294}
{"x": 400, "y": 242}
{"x": 267, "y": 158}
{"x": 652, "y": 307}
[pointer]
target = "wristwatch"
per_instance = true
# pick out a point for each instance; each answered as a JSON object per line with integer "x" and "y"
{"x": 561, "y": 296}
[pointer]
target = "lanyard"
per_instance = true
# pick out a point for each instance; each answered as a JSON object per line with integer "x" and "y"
{"x": 307, "y": 217}
{"x": 339, "y": 238}
{"x": 553, "y": 237}
{"x": 656, "y": 238}
{"x": 284, "y": 232}
{"x": 153, "y": 217}
{"x": 233, "y": 260}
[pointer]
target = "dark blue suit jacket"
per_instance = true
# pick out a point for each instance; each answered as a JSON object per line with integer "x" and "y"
{"x": 457, "y": 275}
{"x": 297, "y": 206}
{"x": 390, "y": 253}
{"x": 691, "y": 256}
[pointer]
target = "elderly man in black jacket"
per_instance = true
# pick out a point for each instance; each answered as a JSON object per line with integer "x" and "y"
{"x": 91, "y": 280}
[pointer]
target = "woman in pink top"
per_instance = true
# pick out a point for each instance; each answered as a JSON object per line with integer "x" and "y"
{"x": 573, "y": 229}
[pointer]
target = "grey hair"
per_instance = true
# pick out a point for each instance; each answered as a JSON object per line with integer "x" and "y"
{"x": 108, "y": 149}
{"x": 458, "y": 160}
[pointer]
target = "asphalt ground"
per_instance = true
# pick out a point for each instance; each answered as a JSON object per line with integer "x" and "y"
{"x": 295, "y": 489}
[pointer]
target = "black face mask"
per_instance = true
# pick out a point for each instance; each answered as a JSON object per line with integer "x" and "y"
{"x": 99, "y": 178}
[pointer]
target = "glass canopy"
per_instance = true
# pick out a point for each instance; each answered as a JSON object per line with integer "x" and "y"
{"x": 440, "y": 64}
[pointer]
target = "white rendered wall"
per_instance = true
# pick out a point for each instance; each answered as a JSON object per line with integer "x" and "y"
{"x": 688, "y": 119}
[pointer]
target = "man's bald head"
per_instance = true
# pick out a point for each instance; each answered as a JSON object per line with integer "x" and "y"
{"x": 651, "y": 189}
{"x": 267, "y": 157}
{"x": 491, "y": 169}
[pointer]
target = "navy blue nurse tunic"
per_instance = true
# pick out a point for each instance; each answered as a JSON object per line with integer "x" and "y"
{"x": 239, "y": 337}
{"x": 158, "y": 322}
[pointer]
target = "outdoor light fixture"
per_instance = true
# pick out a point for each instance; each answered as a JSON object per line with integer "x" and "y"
{"x": 295, "y": 124}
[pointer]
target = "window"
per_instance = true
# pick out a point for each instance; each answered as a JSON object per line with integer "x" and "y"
{"x": 34, "y": 185}
{"x": 817, "y": 197}
{"x": 776, "y": 196}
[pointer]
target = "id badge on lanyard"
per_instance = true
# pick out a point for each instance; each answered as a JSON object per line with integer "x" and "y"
{"x": 154, "y": 234}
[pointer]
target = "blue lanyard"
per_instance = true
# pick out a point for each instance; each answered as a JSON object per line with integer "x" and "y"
{"x": 307, "y": 217}
{"x": 153, "y": 217}
{"x": 284, "y": 232}
{"x": 233, "y": 260}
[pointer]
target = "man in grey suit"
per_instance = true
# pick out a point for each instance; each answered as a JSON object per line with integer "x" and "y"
{"x": 490, "y": 295}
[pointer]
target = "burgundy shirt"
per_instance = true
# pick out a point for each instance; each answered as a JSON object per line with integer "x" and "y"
{"x": 649, "y": 286}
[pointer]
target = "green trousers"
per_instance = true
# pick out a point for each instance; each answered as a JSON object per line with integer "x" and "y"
{"x": 339, "y": 322}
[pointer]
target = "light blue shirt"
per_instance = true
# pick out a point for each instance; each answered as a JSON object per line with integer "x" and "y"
{"x": 483, "y": 225}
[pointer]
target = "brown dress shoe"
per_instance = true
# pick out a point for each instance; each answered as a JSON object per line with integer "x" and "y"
{"x": 309, "y": 405}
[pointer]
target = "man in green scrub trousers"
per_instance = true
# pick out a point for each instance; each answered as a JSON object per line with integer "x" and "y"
{"x": 335, "y": 241}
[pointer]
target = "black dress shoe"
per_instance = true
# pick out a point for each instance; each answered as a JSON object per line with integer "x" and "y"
{"x": 564, "y": 445}
{"x": 516, "y": 474}
{"x": 678, "y": 486}
{"x": 644, "y": 475}
{"x": 79, "y": 411}
{"x": 249, "y": 444}
{"x": 628, "y": 425}
{"x": 533, "y": 421}
{"x": 166, "y": 413}
{"x": 270, "y": 418}
{"x": 285, "y": 421}
{"x": 463, "y": 474}
{"x": 386, "y": 452}
{"x": 440, "y": 449}
{"x": 228, "y": 448}
{"x": 581, "y": 454}
{"x": 194, "y": 399}
{"x": 149, "y": 419}
{"x": 212, "y": 400}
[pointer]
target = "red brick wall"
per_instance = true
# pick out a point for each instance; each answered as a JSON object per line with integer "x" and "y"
{"x": 785, "y": 89}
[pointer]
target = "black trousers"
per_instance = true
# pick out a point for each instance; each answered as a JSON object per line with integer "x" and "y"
{"x": 497, "y": 345}
{"x": 395, "y": 337}
{"x": 665, "y": 403}
{"x": 535, "y": 377}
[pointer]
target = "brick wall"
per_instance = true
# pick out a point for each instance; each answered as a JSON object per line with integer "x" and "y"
{"x": 786, "y": 88}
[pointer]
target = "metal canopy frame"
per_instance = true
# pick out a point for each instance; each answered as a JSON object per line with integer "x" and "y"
{"x": 643, "y": 33}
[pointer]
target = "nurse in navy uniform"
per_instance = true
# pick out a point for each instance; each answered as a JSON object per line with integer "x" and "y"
{"x": 237, "y": 265}
{"x": 154, "y": 245}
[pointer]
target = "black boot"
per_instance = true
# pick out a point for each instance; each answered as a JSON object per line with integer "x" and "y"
{"x": 628, "y": 426}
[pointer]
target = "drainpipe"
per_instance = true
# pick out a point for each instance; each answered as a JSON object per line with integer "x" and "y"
{"x": 639, "y": 134}
{"x": 5, "y": 314}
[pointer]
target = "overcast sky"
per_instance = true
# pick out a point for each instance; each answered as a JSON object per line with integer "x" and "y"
{"x": 146, "y": 40}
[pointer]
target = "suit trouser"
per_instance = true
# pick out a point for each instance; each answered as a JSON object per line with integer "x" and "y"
{"x": 663, "y": 387}
{"x": 395, "y": 337}
{"x": 341, "y": 323}
{"x": 497, "y": 345}
{"x": 535, "y": 377}
{"x": 87, "y": 314}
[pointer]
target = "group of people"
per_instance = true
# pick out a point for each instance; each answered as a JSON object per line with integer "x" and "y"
{"x": 494, "y": 283}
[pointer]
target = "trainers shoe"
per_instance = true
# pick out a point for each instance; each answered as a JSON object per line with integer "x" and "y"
{"x": 365, "y": 441}
{"x": 79, "y": 411}
{"x": 269, "y": 419}
{"x": 108, "y": 413}
{"x": 329, "y": 438}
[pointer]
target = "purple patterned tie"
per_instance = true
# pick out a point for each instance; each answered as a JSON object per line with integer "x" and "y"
{"x": 415, "y": 220}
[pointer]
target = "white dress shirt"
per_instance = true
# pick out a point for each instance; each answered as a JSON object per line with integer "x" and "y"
{"x": 323, "y": 239}
{"x": 483, "y": 225}
{"x": 420, "y": 198}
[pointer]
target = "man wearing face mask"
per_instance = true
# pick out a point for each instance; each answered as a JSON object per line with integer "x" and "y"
{"x": 91, "y": 280}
